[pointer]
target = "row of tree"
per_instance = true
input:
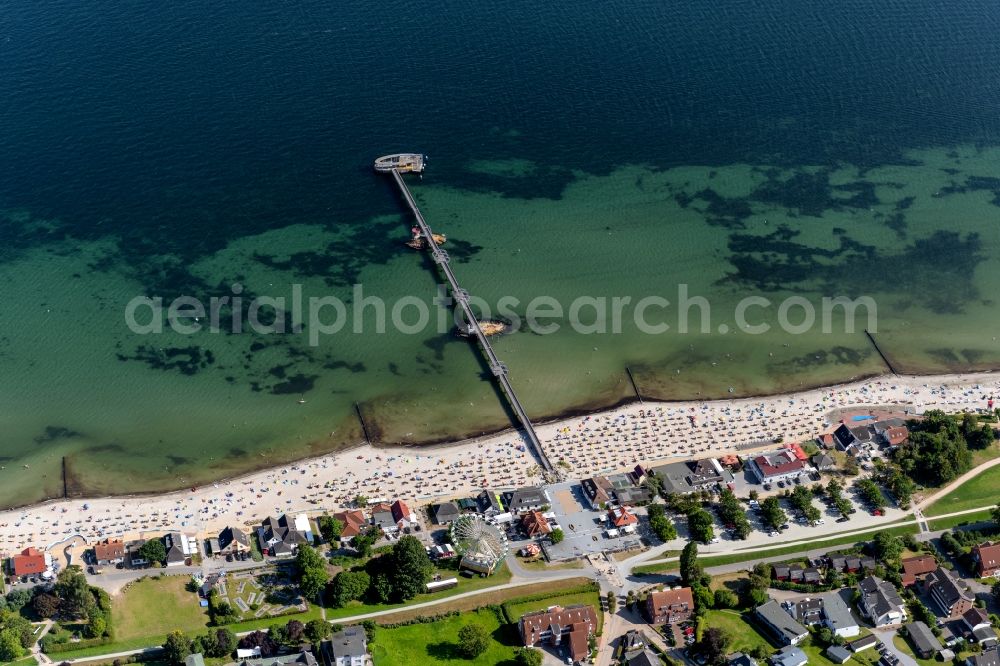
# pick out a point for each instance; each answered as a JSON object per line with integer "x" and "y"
{"x": 802, "y": 499}
{"x": 222, "y": 642}
{"x": 733, "y": 515}
{"x": 661, "y": 526}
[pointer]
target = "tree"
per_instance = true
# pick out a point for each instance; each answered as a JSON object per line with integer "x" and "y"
{"x": 370, "y": 627}
{"x": 259, "y": 639}
{"x": 96, "y": 626}
{"x": 314, "y": 582}
{"x": 177, "y": 647}
{"x": 726, "y": 599}
{"x": 18, "y": 598}
{"x": 45, "y": 605}
{"x": 225, "y": 642}
{"x": 937, "y": 450}
{"x": 690, "y": 569}
{"x": 887, "y": 548}
{"x": 330, "y": 528}
{"x": 295, "y": 632}
{"x": 528, "y": 657}
{"x": 612, "y": 601}
{"x": 712, "y": 646}
{"x": 154, "y": 551}
{"x": 307, "y": 558}
{"x": 773, "y": 514}
{"x": 703, "y": 597}
{"x": 411, "y": 568}
{"x": 363, "y": 542}
{"x": 317, "y": 630}
{"x": 995, "y": 513}
{"x": 311, "y": 571}
{"x": 661, "y": 526}
{"x": 556, "y": 535}
{"x": 18, "y": 626}
{"x": 360, "y": 501}
{"x": 10, "y": 645}
{"x": 349, "y": 586}
{"x": 77, "y": 601}
{"x": 473, "y": 640}
{"x": 700, "y": 525}
{"x": 381, "y": 587}
{"x": 754, "y": 495}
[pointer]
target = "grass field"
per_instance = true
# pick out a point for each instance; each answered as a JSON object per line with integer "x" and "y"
{"x": 976, "y": 492}
{"x": 155, "y": 607}
{"x": 488, "y": 598}
{"x": 745, "y": 556}
{"x": 815, "y": 655}
{"x": 500, "y": 577}
{"x": 744, "y": 635}
{"x": 934, "y": 524}
{"x": 436, "y": 643}
{"x": 151, "y": 608}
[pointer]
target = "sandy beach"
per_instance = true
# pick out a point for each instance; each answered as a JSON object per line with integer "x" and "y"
{"x": 602, "y": 442}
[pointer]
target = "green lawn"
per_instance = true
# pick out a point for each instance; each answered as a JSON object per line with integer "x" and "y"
{"x": 500, "y": 577}
{"x": 954, "y": 521}
{"x": 976, "y": 492}
{"x": 815, "y": 655}
{"x": 744, "y": 635}
{"x": 516, "y": 609}
{"x": 436, "y": 643}
{"x": 745, "y": 556}
{"x": 151, "y": 608}
{"x": 155, "y": 607}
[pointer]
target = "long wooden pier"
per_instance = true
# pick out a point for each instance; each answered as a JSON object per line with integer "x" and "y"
{"x": 461, "y": 297}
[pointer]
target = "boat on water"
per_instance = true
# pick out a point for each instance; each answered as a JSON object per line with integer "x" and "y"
{"x": 489, "y": 327}
{"x": 402, "y": 162}
{"x": 418, "y": 242}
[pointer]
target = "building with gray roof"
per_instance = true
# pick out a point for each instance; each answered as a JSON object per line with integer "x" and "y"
{"x": 925, "y": 643}
{"x": 785, "y": 629}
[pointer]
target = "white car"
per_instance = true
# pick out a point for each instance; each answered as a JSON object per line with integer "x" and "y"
{"x": 772, "y": 534}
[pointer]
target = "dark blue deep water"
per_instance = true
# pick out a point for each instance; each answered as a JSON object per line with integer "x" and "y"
{"x": 175, "y": 147}
{"x": 180, "y": 125}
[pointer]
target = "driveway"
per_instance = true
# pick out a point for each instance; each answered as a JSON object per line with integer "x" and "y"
{"x": 886, "y": 636}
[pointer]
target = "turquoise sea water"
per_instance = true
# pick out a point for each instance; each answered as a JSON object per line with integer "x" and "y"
{"x": 586, "y": 149}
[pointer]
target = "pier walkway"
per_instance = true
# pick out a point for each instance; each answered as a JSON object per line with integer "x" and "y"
{"x": 461, "y": 297}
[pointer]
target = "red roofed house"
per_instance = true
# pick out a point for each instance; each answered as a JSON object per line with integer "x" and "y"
{"x": 670, "y": 606}
{"x": 30, "y": 562}
{"x": 576, "y": 624}
{"x": 776, "y": 466}
{"x": 917, "y": 566}
{"x": 354, "y": 523}
{"x": 535, "y": 524}
{"x": 896, "y": 436}
{"x": 622, "y": 517}
{"x": 797, "y": 450}
{"x": 826, "y": 441}
{"x": 401, "y": 514}
{"x": 109, "y": 552}
{"x": 987, "y": 559}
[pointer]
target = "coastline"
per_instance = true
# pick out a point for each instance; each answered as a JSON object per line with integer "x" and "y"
{"x": 590, "y": 443}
